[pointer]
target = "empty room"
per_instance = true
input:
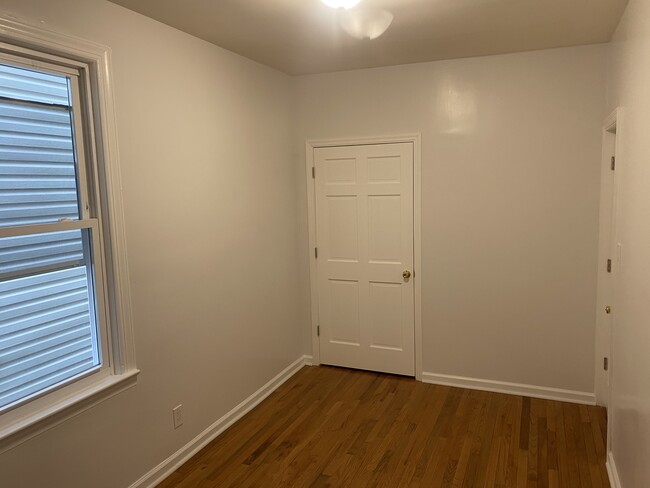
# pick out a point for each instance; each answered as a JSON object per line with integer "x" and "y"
{"x": 324, "y": 243}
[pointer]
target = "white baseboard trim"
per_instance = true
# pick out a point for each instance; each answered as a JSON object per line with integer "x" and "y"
{"x": 510, "y": 388}
{"x": 612, "y": 473}
{"x": 173, "y": 462}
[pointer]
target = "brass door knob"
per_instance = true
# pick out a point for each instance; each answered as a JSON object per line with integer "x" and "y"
{"x": 608, "y": 309}
{"x": 406, "y": 274}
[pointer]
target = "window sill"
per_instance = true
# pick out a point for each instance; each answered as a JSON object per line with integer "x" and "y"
{"x": 20, "y": 428}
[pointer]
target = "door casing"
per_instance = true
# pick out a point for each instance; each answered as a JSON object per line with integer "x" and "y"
{"x": 609, "y": 248}
{"x": 415, "y": 140}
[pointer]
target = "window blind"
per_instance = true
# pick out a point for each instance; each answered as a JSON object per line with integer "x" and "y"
{"x": 37, "y": 169}
{"x": 46, "y": 335}
{"x": 30, "y": 253}
{"x": 33, "y": 86}
{"x": 37, "y": 164}
{"x": 47, "y": 331}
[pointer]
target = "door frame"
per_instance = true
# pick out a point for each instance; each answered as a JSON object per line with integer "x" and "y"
{"x": 416, "y": 140}
{"x": 610, "y": 191}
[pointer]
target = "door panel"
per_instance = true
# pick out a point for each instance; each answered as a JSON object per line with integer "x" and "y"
{"x": 385, "y": 305}
{"x": 342, "y": 232}
{"x": 364, "y": 227}
{"x": 384, "y": 228}
{"x": 345, "y": 312}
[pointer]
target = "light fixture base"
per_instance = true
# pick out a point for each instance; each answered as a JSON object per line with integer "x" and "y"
{"x": 345, "y": 4}
{"x": 365, "y": 23}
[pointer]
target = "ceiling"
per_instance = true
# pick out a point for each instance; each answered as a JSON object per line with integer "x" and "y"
{"x": 303, "y": 36}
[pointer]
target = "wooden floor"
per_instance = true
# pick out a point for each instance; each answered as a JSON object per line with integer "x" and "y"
{"x": 337, "y": 427}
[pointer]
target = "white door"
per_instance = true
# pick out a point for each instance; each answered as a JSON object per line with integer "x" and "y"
{"x": 364, "y": 236}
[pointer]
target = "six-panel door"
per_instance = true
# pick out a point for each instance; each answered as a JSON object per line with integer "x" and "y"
{"x": 364, "y": 234}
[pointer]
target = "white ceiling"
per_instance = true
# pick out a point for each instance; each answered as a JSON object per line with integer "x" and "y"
{"x": 303, "y": 36}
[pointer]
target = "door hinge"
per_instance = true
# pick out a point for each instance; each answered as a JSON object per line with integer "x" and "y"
{"x": 613, "y": 165}
{"x": 318, "y": 331}
{"x": 606, "y": 364}
{"x": 609, "y": 265}
{"x": 316, "y": 252}
{"x": 313, "y": 171}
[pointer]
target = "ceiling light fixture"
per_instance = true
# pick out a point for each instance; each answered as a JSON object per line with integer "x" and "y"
{"x": 364, "y": 23}
{"x": 346, "y": 4}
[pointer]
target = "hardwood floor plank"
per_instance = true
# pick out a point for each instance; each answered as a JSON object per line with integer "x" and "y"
{"x": 533, "y": 472}
{"x": 334, "y": 427}
{"x": 513, "y": 461}
{"x": 507, "y": 439}
{"x": 542, "y": 452}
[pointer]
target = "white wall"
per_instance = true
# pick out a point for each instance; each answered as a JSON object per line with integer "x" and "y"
{"x": 510, "y": 194}
{"x": 629, "y": 88}
{"x": 205, "y": 141}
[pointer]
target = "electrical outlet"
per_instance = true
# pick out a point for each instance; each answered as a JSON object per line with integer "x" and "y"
{"x": 177, "y": 412}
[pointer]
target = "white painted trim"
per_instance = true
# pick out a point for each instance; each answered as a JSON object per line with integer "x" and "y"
{"x": 173, "y": 462}
{"x": 607, "y": 223}
{"x": 417, "y": 251}
{"x": 614, "y": 120}
{"x": 611, "y": 119}
{"x": 105, "y": 387}
{"x": 311, "y": 226}
{"x": 612, "y": 472}
{"x": 416, "y": 140}
{"x": 511, "y": 388}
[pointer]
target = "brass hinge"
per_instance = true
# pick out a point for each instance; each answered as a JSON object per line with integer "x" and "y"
{"x": 316, "y": 252}
{"x": 318, "y": 330}
{"x": 606, "y": 364}
{"x": 609, "y": 265}
{"x": 313, "y": 171}
{"x": 613, "y": 165}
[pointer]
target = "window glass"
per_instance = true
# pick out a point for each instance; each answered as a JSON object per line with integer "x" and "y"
{"x": 47, "y": 334}
{"x": 33, "y": 86}
{"x": 38, "y": 181}
{"x": 29, "y": 253}
{"x": 48, "y": 326}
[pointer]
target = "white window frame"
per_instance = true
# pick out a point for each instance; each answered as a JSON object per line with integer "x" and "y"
{"x": 88, "y": 220}
{"x": 44, "y": 49}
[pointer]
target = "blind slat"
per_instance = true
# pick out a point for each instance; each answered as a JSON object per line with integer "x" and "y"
{"x": 11, "y": 126}
{"x": 27, "y": 196}
{"x": 26, "y": 114}
{"x": 35, "y": 169}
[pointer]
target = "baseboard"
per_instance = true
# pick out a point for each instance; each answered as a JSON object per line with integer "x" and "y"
{"x": 612, "y": 473}
{"x": 510, "y": 388}
{"x": 173, "y": 462}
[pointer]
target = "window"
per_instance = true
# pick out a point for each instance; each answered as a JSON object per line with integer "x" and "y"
{"x": 50, "y": 297}
{"x": 65, "y": 331}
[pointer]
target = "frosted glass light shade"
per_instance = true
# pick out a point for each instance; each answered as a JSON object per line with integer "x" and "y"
{"x": 340, "y": 3}
{"x": 366, "y": 24}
